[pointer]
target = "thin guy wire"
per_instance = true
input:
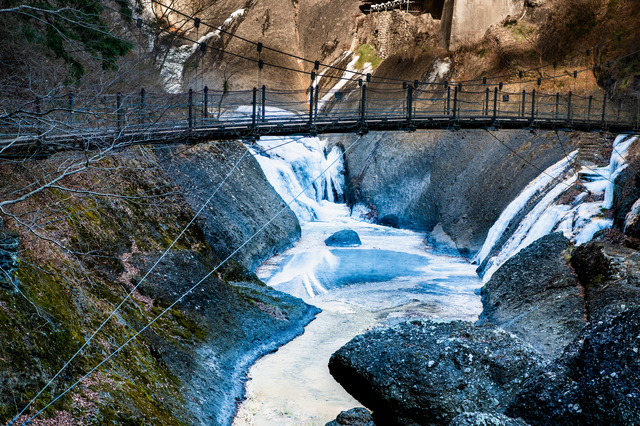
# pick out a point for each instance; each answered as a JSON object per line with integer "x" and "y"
{"x": 134, "y": 289}
{"x": 191, "y": 289}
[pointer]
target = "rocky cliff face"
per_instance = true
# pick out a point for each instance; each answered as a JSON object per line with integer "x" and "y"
{"x": 459, "y": 180}
{"x": 90, "y": 241}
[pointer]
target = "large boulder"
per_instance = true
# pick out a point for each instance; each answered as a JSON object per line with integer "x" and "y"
{"x": 536, "y": 296}
{"x": 610, "y": 275}
{"x": 429, "y": 371}
{"x": 595, "y": 382}
{"x": 354, "y": 417}
{"x": 344, "y": 238}
{"x": 485, "y": 419}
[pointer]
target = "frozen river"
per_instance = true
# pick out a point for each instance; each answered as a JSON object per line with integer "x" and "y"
{"x": 392, "y": 276}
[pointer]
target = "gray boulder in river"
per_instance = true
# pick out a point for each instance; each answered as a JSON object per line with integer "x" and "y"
{"x": 355, "y": 417}
{"x": 536, "y": 296}
{"x": 344, "y": 238}
{"x": 426, "y": 372}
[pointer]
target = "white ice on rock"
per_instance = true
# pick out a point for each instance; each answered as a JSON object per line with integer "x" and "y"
{"x": 173, "y": 66}
{"x": 578, "y": 221}
{"x": 536, "y": 186}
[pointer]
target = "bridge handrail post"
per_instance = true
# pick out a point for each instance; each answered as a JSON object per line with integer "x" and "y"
{"x": 619, "y": 109}
{"x": 206, "y": 102}
{"x": 604, "y": 110}
{"x": 449, "y": 100}
{"x": 486, "y": 110}
{"x": 524, "y": 102}
{"x": 264, "y": 102}
{"x": 363, "y": 105}
{"x": 190, "y": 109}
{"x": 311, "y": 106}
{"x": 70, "y": 106}
{"x": 409, "y": 105}
{"x": 557, "y": 105}
{"x": 142, "y": 101}
{"x": 455, "y": 102}
{"x": 495, "y": 104}
{"x": 315, "y": 106}
{"x": 254, "y": 106}
{"x": 569, "y": 110}
{"x": 533, "y": 106}
{"x": 119, "y": 110}
{"x": 589, "y": 109}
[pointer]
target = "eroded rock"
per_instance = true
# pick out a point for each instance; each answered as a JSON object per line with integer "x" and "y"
{"x": 536, "y": 296}
{"x": 610, "y": 275}
{"x": 354, "y": 417}
{"x": 595, "y": 382}
{"x": 429, "y": 371}
{"x": 486, "y": 419}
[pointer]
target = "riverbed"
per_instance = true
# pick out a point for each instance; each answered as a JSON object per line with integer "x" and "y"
{"x": 393, "y": 276}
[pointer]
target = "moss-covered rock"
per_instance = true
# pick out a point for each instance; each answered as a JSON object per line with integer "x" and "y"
{"x": 86, "y": 246}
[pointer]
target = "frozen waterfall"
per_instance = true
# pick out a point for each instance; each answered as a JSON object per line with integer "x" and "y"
{"x": 295, "y": 166}
{"x": 578, "y": 217}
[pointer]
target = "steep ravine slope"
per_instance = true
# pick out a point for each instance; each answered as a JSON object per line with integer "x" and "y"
{"x": 86, "y": 243}
{"x": 453, "y": 181}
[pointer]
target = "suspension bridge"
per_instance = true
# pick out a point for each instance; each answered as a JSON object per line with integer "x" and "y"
{"x": 72, "y": 121}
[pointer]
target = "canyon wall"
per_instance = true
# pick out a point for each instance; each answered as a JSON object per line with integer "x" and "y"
{"x": 456, "y": 182}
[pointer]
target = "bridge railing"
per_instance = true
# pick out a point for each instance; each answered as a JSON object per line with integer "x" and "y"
{"x": 262, "y": 111}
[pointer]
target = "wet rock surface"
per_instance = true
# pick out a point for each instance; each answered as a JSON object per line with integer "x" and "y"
{"x": 595, "y": 382}
{"x": 486, "y": 419}
{"x": 610, "y": 275}
{"x": 461, "y": 180}
{"x": 354, "y": 417}
{"x": 344, "y": 238}
{"x": 231, "y": 326}
{"x": 428, "y": 371}
{"x": 536, "y": 296}
{"x": 244, "y": 204}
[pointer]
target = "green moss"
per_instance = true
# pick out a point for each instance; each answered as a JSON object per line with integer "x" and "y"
{"x": 367, "y": 53}
{"x": 232, "y": 271}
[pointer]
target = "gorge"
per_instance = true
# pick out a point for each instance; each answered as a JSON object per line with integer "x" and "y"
{"x": 497, "y": 269}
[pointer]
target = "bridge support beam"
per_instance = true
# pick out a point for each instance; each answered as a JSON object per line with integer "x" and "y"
{"x": 486, "y": 102}
{"x": 495, "y": 104}
{"x": 533, "y": 106}
{"x": 206, "y": 102}
{"x": 409, "y": 105}
{"x": 455, "y": 102}
{"x": 363, "y": 106}
{"x": 311, "y": 107}
{"x": 254, "y": 104}
{"x": 264, "y": 102}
